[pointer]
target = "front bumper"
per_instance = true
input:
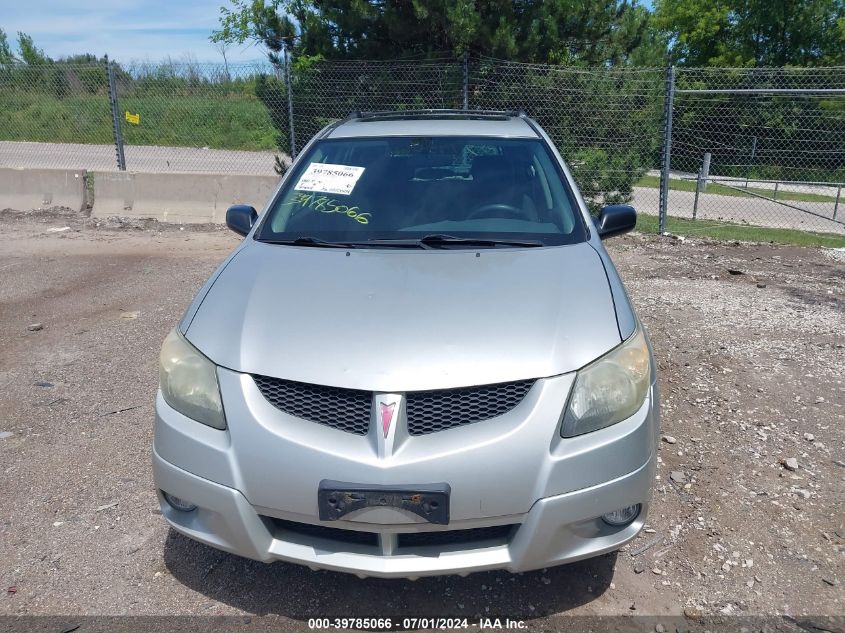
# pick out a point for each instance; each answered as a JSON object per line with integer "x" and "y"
{"x": 522, "y": 497}
{"x": 556, "y": 530}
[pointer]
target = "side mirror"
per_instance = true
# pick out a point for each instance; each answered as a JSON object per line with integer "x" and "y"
{"x": 240, "y": 218}
{"x": 615, "y": 219}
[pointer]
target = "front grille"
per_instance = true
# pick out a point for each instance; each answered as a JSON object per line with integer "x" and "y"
{"x": 432, "y": 411}
{"x": 343, "y": 409}
{"x": 290, "y": 531}
{"x": 427, "y": 411}
{"x": 353, "y": 537}
{"x": 500, "y": 533}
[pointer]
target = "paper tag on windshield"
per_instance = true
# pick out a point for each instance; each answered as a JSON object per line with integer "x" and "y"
{"x": 327, "y": 178}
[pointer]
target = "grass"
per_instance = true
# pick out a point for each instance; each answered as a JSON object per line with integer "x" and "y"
{"x": 220, "y": 122}
{"x": 689, "y": 185}
{"x": 744, "y": 232}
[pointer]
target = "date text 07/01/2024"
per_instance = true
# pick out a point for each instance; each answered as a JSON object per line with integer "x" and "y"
{"x": 410, "y": 623}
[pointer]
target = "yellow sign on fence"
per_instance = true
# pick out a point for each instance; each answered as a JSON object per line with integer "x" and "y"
{"x": 134, "y": 119}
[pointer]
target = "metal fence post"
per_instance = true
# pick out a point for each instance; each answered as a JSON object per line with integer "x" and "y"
{"x": 289, "y": 89}
{"x": 115, "y": 116}
{"x": 697, "y": 192}
{"x": 466, "y": 80}
{"x": 666, "y": 158}
{"x": 836, "y": 204}
{"x": 751, "y": 164}
{"x": 705, "y": 170}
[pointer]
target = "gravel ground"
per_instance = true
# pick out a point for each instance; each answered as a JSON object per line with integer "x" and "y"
{"x": 749, "y": 339}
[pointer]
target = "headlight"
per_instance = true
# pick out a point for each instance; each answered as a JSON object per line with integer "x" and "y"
{"x": 189, "y": 382}
{"x": 610, "y": 389}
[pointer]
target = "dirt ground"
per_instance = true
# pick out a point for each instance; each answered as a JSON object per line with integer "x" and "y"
{"x": 750, "y": 343}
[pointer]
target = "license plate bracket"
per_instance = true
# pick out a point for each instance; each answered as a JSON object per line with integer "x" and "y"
{"x": 336, "y": 499}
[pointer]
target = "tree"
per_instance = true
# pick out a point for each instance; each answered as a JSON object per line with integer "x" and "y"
{"x": 754, "y": 32}
{"x": 30, "y": 53}
{"x": 572, "y": 31}
{"x": 6, "y": 56}
{"x": 221, "y": 48}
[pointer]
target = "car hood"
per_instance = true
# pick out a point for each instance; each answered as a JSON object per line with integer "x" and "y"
{"x": 397, "y": 320}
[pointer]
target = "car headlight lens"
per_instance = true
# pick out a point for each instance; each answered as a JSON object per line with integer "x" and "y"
{"x": 189, "y": 382}
{"x": 609, "y": 389}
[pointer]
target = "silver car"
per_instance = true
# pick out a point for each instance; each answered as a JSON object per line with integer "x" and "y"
{"x": 419, "y": 361}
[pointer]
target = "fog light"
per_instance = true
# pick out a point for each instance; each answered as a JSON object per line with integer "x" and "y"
{"x": 178, "y": 504}
{"x": 622, "y": 516}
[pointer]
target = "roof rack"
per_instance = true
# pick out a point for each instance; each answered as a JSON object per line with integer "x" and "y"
{"x": 386, "y": 115}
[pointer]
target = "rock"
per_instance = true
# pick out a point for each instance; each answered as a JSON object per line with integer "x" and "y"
{"x": 669, "y": 439}
{"x": 761, "y": 285}
{"x": 692, "y": 613}
{"x": 656, "y": 571}
{"x": 809, "y": 437}
{"x": 639, "y": 568}
{"x": 35, "y": 327}
{"x": 790, "y": 463}
{"x": 659, "y": 629}
{"x": 735, "y": 271}
{"x": 677, "y": 476}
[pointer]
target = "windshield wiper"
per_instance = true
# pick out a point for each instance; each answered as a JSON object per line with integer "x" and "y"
{"x": 441, "y": 240}
{"x": 429, "y": 241}
{"x": 310, "y": 241}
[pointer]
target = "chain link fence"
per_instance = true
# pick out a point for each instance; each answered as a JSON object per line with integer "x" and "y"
{"x": 171, "y": 117}
{"x": 762, "y": 147}
{"x": 605, "y": 122}
{"x": 324, "y": 92}
{"x": 48, "y": 113}
{"x": 758, "y": 146}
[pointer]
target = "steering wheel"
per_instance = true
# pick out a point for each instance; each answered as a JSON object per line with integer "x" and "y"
{"x": 497, "y": 210}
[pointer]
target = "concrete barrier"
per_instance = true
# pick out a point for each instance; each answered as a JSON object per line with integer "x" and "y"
{"x": 177, "y": 197}
{"x": 28, "y": 189}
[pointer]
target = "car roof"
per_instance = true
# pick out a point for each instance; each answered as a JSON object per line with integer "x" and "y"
{"x": 435, "y": 123}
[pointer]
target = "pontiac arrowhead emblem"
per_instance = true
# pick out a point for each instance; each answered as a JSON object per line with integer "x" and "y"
{"x": 386, "y": 411}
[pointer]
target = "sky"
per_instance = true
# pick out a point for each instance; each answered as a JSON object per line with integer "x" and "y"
{"x": 139, "y": 30}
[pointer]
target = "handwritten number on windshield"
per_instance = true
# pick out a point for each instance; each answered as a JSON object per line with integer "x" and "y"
{"x": 324, "y": 204}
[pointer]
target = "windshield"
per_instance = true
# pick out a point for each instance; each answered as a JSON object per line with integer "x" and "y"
{"x": 402, "y": 189}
